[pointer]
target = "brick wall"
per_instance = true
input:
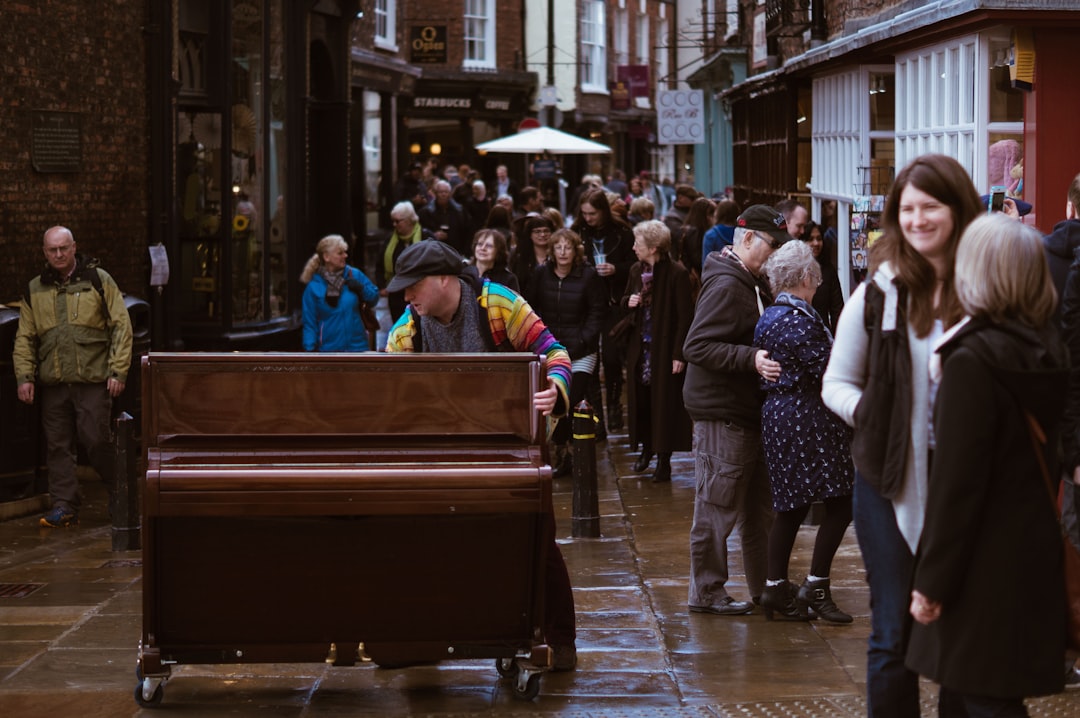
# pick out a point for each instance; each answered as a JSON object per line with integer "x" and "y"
{"x": 508, "y": 30}
{"x": 87, "y": 58}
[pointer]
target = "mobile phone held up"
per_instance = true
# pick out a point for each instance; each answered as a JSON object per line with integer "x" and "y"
{"x": 997, "y": 198}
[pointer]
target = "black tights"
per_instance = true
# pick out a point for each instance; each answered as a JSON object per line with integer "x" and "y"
{"x": 831, "y": 532}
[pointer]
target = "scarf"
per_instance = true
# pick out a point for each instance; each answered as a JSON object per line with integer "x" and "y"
{"x": 334, "y": 280}
{"x": 391, "y": 247}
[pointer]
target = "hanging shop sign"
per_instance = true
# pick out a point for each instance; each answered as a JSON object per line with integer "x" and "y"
{"x": 680, "y": 117}
{"x": 427, "y": 44}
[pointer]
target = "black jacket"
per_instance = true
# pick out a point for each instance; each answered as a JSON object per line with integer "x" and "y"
{"x": 989, "y": 516}
{"x": 1060, "y": 248}
{"x": 721, "y": 379}
{"x": 573, "y": 308}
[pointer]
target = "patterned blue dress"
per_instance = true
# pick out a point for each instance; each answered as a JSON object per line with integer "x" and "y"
{"x": 807, "y": 447}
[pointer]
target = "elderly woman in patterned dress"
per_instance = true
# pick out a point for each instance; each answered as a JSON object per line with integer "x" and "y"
{"x": 807, "y": 447}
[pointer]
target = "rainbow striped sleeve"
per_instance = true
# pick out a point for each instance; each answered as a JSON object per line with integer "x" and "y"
{"x": 511, "y": 318}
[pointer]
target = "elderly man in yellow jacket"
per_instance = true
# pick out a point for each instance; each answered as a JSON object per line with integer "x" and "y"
{"x": 74, "y": 339}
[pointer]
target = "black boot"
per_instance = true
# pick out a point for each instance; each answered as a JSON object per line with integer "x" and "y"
{"x": 642, "y": 462}
{"x": 816, "y": 596}
{"x": 663, "y": 468}
{"x": 779, "y": 600}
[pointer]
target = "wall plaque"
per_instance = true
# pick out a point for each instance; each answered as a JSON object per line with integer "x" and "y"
{"x": 428, "y": 44}
{"x": 56, "y": 141}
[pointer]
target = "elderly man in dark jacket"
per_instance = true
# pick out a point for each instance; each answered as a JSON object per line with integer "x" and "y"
{"x": 723, "y": 398}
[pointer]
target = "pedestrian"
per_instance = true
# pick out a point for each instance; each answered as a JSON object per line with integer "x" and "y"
{"x": 723, "y": 396}
{"x": 988, "y": 581}
{"x": 878, "y": 381}
{"x": 807, "y": 447}
{"x": 658, "y": 301}
{"x": 569, "y": 297}
{"x": 531, "y": 251}
{"x": 333, "y": 299}
{"x": 448, "y": 313}
{"x": 74, "y": 340}
{"x": 682, "y": 199}
{"x": 641, "y": 209}
{"x": 796, "y": 216}
{"x": 490, "y": 256}
{"x": 829, "y": 297}
{"x": 407, "y": 232}
{"x": 722, "y": 233}
{"x": 444, "y": 218}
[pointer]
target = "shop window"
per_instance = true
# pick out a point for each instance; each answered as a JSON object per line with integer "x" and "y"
{"x": 1005, "y": 121}
{"x": 946, "y": 75}
{"x": 643, "y": 42}
{"x": 479, "y": 33}
{"x": 593, "y": 47}
{"x": 622, "y": 36}
{"x": 231, "y": 180}
{"x": 386, "y": 24}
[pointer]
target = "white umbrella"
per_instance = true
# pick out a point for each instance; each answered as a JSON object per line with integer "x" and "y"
{"x": 545, "y": 139}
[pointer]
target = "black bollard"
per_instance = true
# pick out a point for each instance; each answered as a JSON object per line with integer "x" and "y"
{"x": 124, "y": 501}
{"x": 586, "y": 509}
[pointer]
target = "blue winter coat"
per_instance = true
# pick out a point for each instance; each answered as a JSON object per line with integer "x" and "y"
{"x": 807, "y": 447}
{"x": 337, "y": 329}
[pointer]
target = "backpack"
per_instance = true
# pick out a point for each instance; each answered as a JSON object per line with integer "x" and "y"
{"x": 89, "y": 271}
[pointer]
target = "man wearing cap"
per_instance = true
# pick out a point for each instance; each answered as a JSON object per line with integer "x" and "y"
{"x": 449, "y": 313}
{"x": 722, "y": 396}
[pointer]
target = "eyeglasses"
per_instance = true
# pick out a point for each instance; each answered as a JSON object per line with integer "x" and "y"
{"x": 768, "y": 239}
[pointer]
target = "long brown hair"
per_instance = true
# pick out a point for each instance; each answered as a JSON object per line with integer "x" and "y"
{"x": 944, "y": 179}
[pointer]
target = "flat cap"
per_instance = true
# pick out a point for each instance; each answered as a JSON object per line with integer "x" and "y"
{"x": 427, "y": 258}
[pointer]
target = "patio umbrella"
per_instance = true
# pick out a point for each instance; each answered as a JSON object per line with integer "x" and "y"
{"x": 545, "y": 139}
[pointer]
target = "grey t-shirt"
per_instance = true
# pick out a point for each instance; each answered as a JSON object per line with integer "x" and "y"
{"x": 462, "y": 334}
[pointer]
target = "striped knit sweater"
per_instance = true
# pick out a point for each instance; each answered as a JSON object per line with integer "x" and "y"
{"x": 512, "y": 323}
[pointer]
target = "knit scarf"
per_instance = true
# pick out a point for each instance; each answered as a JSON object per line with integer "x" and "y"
{"x": 388, "y": 255}
{"x": 334, "y": 281}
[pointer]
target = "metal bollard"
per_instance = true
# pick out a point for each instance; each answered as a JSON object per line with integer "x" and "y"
{"x": 586, "y": 509}
{"x": 124, "y": 502}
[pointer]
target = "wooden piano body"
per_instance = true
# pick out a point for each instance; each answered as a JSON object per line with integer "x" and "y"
{"x": 309, "y": 508}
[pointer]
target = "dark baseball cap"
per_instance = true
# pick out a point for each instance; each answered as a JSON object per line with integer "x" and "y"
{"x": 424, "y": 259}
{"x": 763, "y": 218}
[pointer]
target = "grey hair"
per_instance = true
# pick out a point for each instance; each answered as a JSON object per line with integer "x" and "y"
{"x": 406, "y": 210}
{"x": 788, "y": 266}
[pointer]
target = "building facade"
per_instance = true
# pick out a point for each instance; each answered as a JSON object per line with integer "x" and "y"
{"x": 829, "y": 116}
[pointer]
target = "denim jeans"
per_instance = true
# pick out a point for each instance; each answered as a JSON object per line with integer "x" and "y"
{"x": 892, "y": 691}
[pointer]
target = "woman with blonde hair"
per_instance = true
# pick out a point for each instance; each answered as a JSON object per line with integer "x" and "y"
{"x": 333, "y": 298}
{"x": 988, "y": 586}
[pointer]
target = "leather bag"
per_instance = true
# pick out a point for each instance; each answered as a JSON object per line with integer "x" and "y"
{"x": 1071, "y": 555}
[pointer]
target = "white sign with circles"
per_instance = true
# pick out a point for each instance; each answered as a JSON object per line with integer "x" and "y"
{"x": 680, "y": 117}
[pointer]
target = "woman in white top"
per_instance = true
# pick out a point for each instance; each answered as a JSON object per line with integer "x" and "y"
{"x": 878, "y": 381}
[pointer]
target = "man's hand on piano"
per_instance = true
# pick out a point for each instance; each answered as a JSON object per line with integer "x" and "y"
{"x": 545, "y": 400}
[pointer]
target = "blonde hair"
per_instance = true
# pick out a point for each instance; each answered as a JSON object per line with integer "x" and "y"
{"x": 327, "y": 243}
{"x": 788, "y": 266}
{"x": 1001, "y": 272}
{"x": 655, "y": 234}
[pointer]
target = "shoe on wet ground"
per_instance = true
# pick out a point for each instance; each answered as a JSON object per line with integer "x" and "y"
{"x": 564, "y": 658}
{"x": 727, "y": 606}
{"x": 59, "y": 517}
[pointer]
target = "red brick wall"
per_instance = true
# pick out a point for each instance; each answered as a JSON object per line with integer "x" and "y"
{"x": 88, "y": 58}
{"x": 508, "y": 30}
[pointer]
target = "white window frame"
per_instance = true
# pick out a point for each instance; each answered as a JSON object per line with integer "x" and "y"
{"x": 939, "y": 90}
{"x": 385, "y": 11}
{"x": 621, "y": 39}
{"x": 485, "y": 39}
{"x": 594, "y": 46}
{"x": 643, "y": 43}
{"x": 663, "y": 55}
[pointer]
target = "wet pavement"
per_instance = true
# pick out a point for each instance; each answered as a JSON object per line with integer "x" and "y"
{"x": 68, "y": 646}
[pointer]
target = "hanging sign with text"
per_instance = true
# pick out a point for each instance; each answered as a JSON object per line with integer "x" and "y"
{"x": 680, "y": 117}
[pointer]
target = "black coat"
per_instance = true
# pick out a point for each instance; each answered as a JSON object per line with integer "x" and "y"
{"x": 573, "y": 308}
{"x": 829, "y": 297}
{"x": 990, "y": 550}
{"x": 672, "y": 311}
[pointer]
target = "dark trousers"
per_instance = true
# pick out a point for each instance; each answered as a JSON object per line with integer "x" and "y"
{"x": 70, "y": 413}
{"x": 960, "y": 705}
{"x": 560, "y": 622}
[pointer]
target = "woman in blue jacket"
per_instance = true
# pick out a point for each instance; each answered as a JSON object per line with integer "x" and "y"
{"x": 332, "y": 299}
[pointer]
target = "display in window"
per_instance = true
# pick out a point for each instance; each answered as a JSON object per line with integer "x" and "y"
{"x": 865, "y": 230}
{"x": 1005, "y": 167}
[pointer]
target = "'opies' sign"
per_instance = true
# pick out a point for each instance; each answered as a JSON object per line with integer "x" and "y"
{"x": 428, "y": 43}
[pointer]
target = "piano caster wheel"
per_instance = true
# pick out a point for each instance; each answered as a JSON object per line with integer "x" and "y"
{"x": 527, "y": 686}
{"x": 154, "y": 699}
{"x": 507, "y": 667}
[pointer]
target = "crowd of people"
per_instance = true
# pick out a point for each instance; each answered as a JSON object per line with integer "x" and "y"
{"x": 904, "y": 411}
{"x": 926, "y": 409}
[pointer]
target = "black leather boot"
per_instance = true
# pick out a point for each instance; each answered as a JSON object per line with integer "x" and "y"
{"x": 663, "y": 468}
{"x": 816, "y": 597}
{"x": 779, "y": 602}
{"x": 642, "y": 462}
